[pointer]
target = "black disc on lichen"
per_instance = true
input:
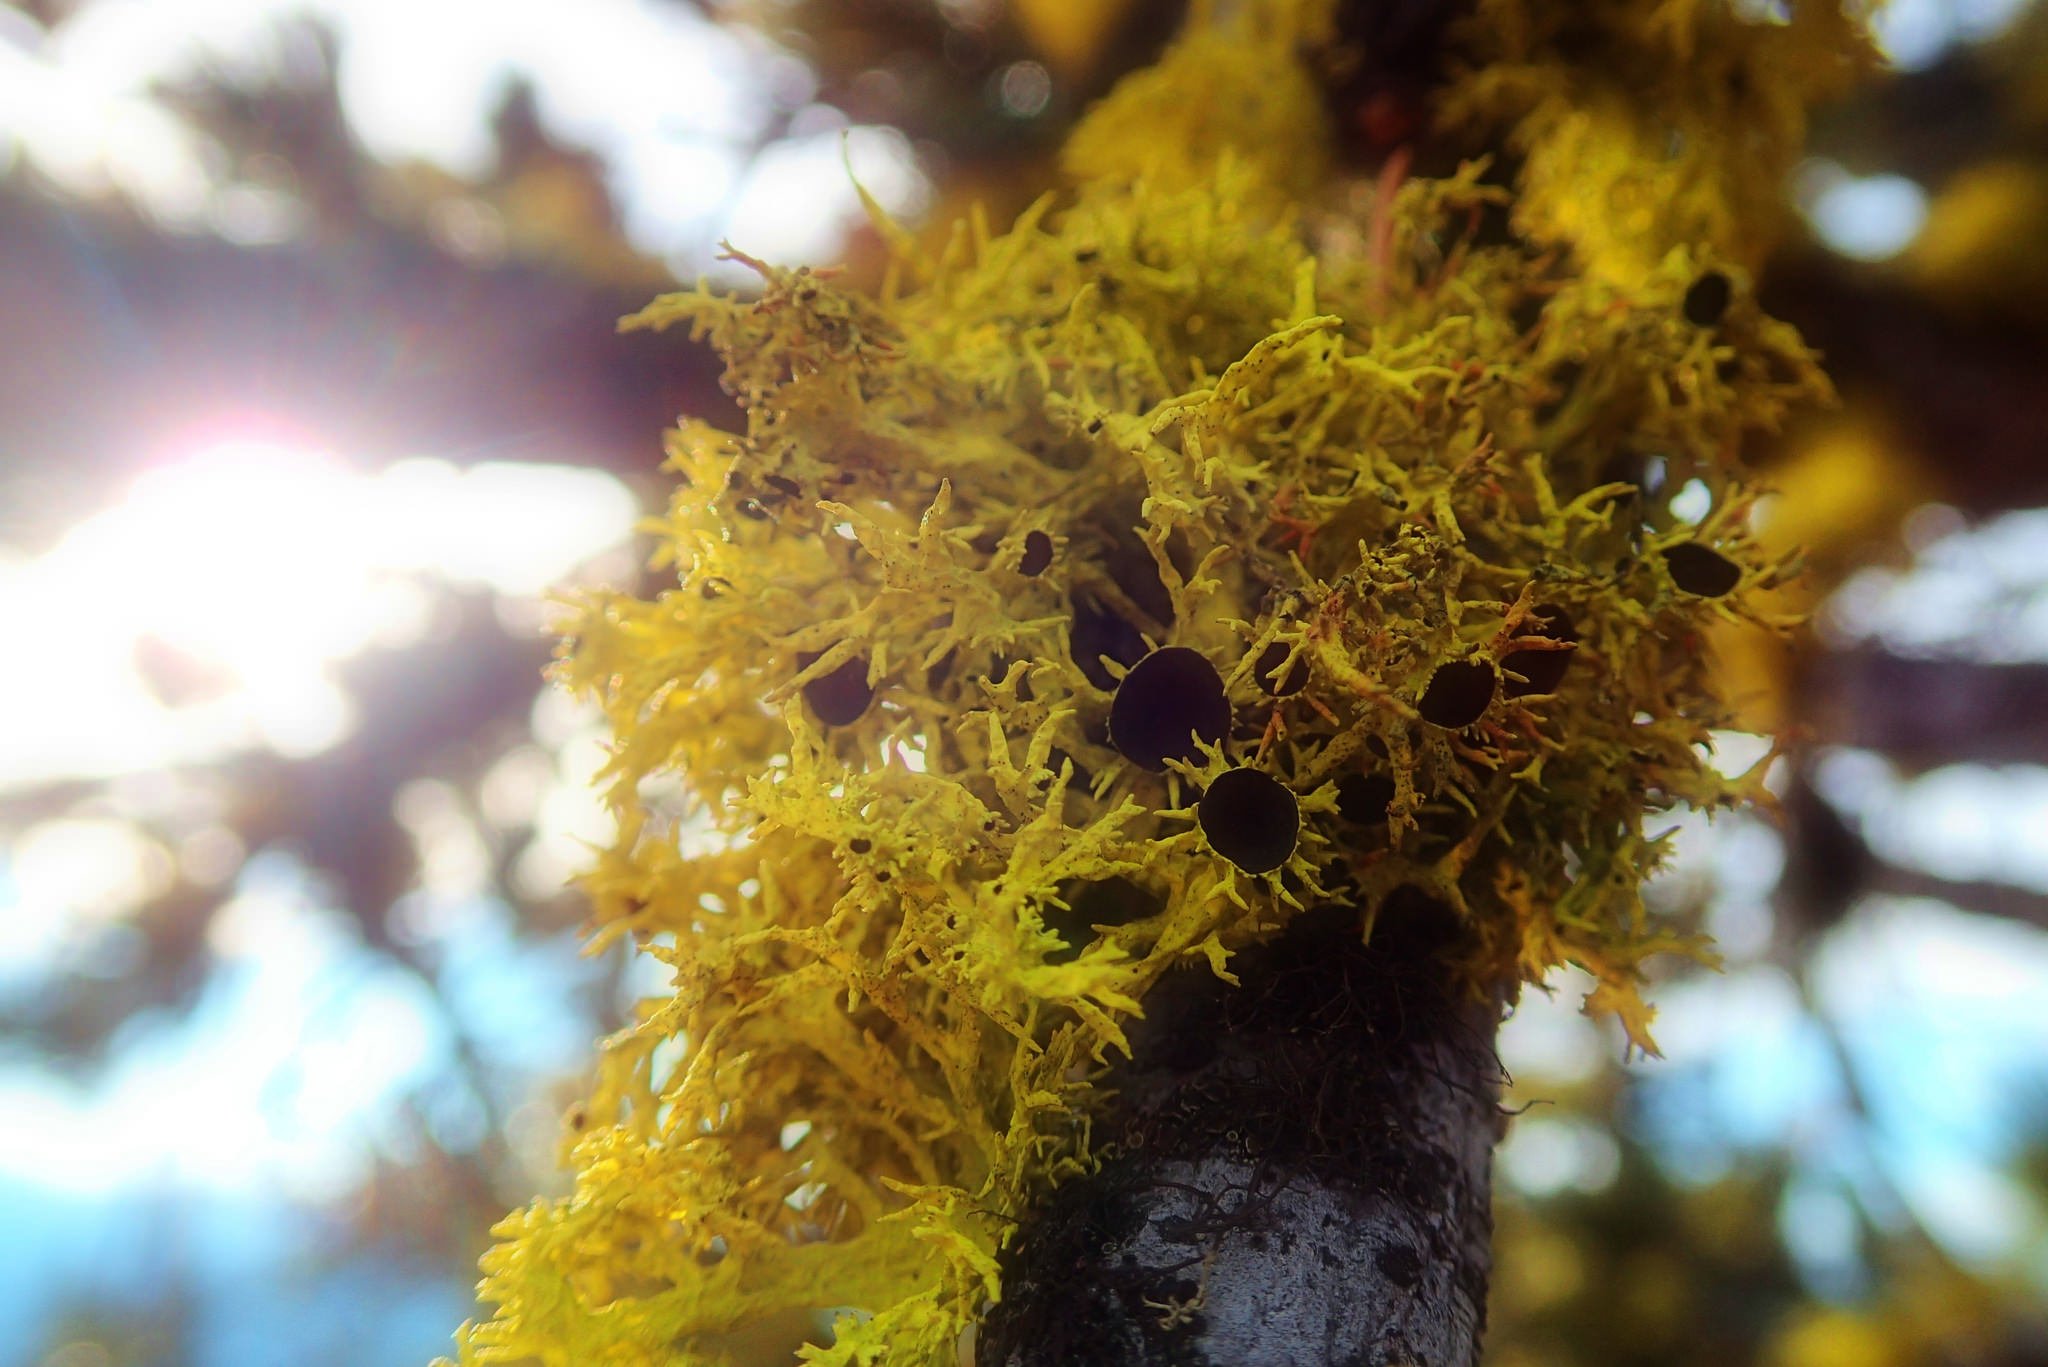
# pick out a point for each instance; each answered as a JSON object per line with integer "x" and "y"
{"x": 840, "y": 696}
{"x": 1114, "y": 901}
{"x": 1707, "y": 299}
{"x": 1363, "y": 799}
{"x": 1541, "y": 670}
{"x": 1037, "y": 554}
{"x": 1458, "y": 693}
{"x": 1168, "y": 700}
{"x": 1270, "y": 660}
{"x": 1701, "y": 570}
{"x": 1251, "y": 819}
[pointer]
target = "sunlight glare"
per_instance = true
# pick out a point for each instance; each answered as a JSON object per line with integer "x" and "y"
{"x": 97, "y": 869}
{"x": 1544, "y": 1155}
{"x": 62, "y": 882}
{"x": 455, "y": 861}
{"x": 1547, "y": 1039}
{"x": 258, "y": 568}
{"x": 797, "y": 201}
{"x": 1866, "y": 218}
{"x": 1915, "y": 34}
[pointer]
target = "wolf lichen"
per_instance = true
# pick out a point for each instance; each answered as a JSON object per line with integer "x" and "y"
{"x": 1393, "y": 483}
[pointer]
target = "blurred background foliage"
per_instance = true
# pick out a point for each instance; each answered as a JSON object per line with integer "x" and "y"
{"x": 311, "y": 391}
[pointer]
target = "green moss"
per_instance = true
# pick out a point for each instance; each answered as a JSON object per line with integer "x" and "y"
{"x": 1242, "y": 419}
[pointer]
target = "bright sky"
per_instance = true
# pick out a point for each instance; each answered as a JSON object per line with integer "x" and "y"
{"x": 672, "y": 103}
{"x": 303, "y": 1036}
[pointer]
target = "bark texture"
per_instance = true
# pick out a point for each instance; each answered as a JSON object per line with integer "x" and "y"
{"x": 1299, "y": 1173}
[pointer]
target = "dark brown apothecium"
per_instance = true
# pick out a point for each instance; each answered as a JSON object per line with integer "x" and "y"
{"x": 1171, "y": 698}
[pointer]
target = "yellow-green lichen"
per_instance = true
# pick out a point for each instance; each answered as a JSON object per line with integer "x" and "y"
{"x": 1366, "y": 443}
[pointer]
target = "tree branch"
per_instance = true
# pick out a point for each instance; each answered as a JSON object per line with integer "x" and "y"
{"x": 1299, "y": 1170}
{"x": 1926, "y": 712}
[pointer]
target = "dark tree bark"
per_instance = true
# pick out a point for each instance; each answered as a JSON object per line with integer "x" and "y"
{"x": 1959, "y": 384}
{"x": 1299, "y": 1171}
{"x": 1927, "y": 712}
